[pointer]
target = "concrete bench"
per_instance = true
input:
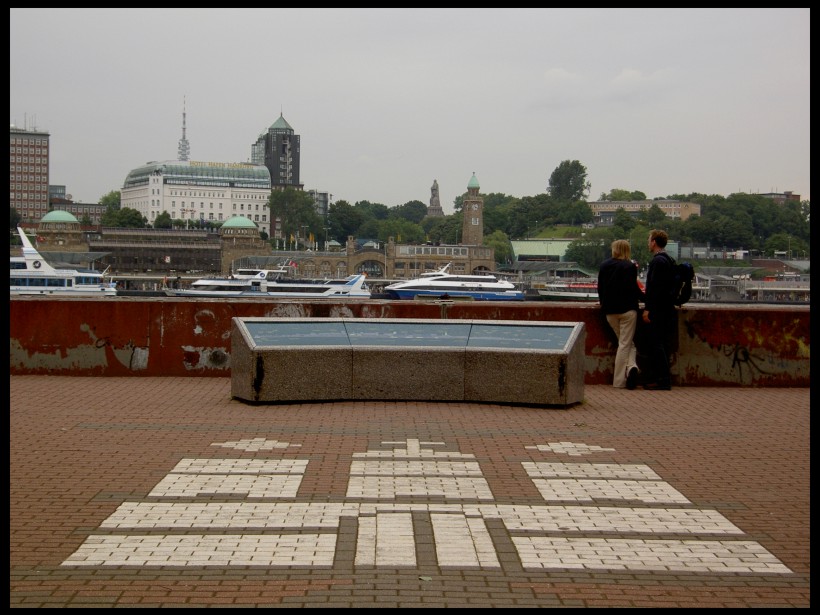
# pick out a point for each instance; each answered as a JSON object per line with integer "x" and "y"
{"x": 280, "y": 360}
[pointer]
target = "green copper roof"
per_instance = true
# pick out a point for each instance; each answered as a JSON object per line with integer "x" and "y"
{"x": 473, "y": 182}
{"x": 239, "y": 174}
{"x": 281, "y": 124}
{"x": 239, "y": 222}
{"x": 59, "y": 215}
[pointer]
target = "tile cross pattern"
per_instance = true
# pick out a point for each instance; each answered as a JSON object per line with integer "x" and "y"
{"x": 389, "y": 492}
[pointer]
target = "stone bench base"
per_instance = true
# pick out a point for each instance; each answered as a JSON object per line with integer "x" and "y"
{"x": 280, "y": 360}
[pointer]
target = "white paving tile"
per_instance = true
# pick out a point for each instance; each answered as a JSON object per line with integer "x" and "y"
{"x": 462, "y": 542}
{"x": 206, "y": 550}
{"x": 386, "y": 540}
{"x": 254, "y": 486}
{"x": 637, "y": 554}
{"x": 228, "y": 515}
{"x": 611, "y": 519}
{"x": 391, "y": 487}
{"x": 582, "y": 490}
{"x": 240, "y": 466}
{"x": 415, "y": 468}
{"x": 545, "y": 469}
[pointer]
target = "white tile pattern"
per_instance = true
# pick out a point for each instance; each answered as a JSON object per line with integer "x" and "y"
{"x": 623, "y": 554}
{"x": 386, "y": 536}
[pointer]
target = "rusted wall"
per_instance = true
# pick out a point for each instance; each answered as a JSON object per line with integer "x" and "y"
{"x": 719, "y": 345}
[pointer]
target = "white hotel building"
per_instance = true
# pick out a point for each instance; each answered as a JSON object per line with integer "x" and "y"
{"x": 200, "y": 191}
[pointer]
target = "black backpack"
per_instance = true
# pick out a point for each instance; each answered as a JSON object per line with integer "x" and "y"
{"x": 682, "y": 276}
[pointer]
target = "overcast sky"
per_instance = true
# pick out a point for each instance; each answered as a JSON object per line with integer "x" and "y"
{"x": 665, "y": 101}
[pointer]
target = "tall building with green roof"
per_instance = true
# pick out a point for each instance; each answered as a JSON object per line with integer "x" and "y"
{"x": 278, "y": 149}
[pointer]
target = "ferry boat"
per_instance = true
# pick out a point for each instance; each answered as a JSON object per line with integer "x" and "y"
{"x": 441, "y": 284}
{"x": 576, "y": 290}
{"x": 273, "y": 284}
{"x": 31, "y": 274}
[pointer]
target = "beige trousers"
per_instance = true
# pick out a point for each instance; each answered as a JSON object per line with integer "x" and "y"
{"x": 625, "y": 358}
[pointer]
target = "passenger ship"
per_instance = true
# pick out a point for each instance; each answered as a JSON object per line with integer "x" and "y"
{"x": 30, "y": 274}
{"x": 573, "y": 290}
{"x": 273, "y": 284}
{"x": 443, "y": 285}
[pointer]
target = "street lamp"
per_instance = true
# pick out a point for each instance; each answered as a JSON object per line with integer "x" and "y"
{"x": 304, "y": 241}
{"x": 187, "y": 211}
{"x": 327, "y": 229}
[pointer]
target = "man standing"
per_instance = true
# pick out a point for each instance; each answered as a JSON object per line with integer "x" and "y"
{"x": 659, "y": 312}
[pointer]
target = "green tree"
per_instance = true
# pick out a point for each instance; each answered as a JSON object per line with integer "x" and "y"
{"x": 297, "y": 212}
{"x": 501, "y": 245}
{"x": 163, "y": 220}
{"x": 592, "y": 249}
{"x": 343, "y": 219}
{"x": 568, "y": 182}
{"x": 639, "y": 244}
{"x": 623, "y": 221}
{"x": 376, "y": 211}
{"x": 619, "y": 194}
{"x": 112, "y": 199}
{"x": 86, "y": 220}
{"x": 402, "y": 230}
{"x": 413, "y": 211}
{"x": 433, "y": 227}
{"x": 575, "y": 213}
{"x": 125, "y": 217}
{"x": 446, "y": 230}
{"x": 654, "y": 217}
{"x": 14, "y": 218}
{"x": 794, "y": 247}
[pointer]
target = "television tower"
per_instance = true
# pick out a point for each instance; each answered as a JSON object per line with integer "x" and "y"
{"x": 184, "y": 146}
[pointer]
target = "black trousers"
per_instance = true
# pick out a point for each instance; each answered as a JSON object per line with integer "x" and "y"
{"x": 661, "y": 339}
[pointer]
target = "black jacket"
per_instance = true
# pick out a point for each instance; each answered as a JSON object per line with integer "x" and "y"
{"x": 659, "y": 284}
{"x": 618, "y": 289}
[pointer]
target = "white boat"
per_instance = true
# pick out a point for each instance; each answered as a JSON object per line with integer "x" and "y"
{"x": 443, "y": 285}
{"x": 31, "y": 274}
{"x": 569, "y": 290}
{"x": 274, "y": 284}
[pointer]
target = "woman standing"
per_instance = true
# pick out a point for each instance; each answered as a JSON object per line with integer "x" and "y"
{"x": 619, "y": 294}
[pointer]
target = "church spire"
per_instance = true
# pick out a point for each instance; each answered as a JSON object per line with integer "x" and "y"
{"x": 184, "y": 148}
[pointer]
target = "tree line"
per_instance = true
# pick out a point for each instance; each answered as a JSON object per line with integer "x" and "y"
{"x": 739, "y": 221}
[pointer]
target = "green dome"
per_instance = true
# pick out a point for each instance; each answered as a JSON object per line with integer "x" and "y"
{"x": 59, "y": 215}
{"x": 239, "y": 222}
{"x": 473, "y": 182}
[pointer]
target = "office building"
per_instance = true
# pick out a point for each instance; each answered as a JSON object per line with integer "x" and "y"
{"x": 278, "y": 150}
{"x": 28, "y": 172}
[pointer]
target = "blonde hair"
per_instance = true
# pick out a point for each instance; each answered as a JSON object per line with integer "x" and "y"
{"x": 621, "y": 249}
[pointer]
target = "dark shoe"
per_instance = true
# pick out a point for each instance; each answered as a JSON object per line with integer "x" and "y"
{"x": 654, "y": 386}
{"x": 632, "y": 378}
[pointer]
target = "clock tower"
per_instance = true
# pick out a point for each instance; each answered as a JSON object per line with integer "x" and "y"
{"x": 472, "y": 210}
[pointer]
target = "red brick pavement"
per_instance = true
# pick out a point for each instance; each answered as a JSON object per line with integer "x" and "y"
{"x": 81, "y": 447}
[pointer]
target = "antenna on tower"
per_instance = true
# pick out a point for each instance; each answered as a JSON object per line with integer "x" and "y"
{"x": 184, "y": 147}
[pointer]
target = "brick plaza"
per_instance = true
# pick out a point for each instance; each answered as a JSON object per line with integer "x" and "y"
{"x": 160, "y": 492}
